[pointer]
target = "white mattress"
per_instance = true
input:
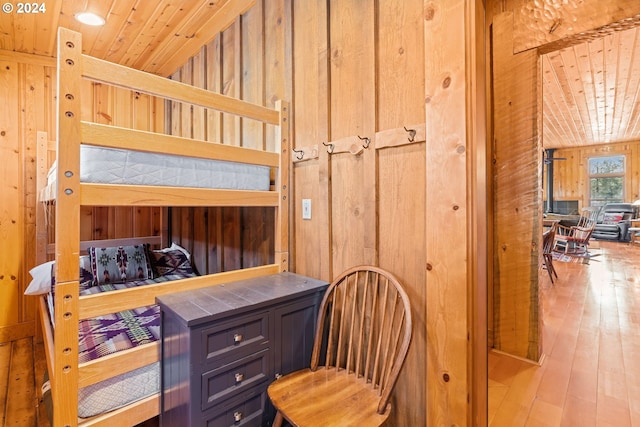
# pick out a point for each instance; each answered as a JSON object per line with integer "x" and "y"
{"x": 116, "y": 166}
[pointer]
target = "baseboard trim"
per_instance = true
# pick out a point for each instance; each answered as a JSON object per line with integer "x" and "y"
{"x": 17, "y": 331}
{"x": 539, "y": 362}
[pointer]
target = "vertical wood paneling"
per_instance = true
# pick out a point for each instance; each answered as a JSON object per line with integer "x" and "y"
{"x": 312, "y": 254}
{"x": 233, "y": 64}
{"x": 252, "y": 68}
{"x": 12, "y": 214}
{"x": 34, "y": 113}
{"x": 387, "y": 189}
{"x": 402, "y": 250}
{"x": 447, "y": 211}
{"x": 231, "y": 134}
{"x": 571, "y": 179}
{"x": 199, "y": 80}
{"x": 213, "y": 76}
{"x": 516, "y": 202}
{"x": 352, "y": 113}
{"x": 199, "y": 129}
{"x": 400, "y": 56}
{"x": 278, "y": 60}
{"x": 253, "y": 90}
{"x": 401, "y": 177}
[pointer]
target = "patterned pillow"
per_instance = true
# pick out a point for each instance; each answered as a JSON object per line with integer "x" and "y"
{"x": 119, "y": 264}
{"x": 174, "y": 259}
{"x": 612, "y": 217}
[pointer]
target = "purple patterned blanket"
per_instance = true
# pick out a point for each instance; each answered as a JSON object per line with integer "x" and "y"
{"x": 110, "y": 333}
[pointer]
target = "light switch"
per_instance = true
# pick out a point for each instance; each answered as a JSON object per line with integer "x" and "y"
{"x": 306, "y": 208}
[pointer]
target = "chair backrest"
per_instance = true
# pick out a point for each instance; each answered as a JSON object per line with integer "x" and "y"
{"x": 588, "y": 218}
{"x": 548, "y": 239}
{"x": 364, "y": 328}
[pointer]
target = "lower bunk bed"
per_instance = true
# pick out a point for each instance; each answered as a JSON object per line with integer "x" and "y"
{"x": 132, "y": 396}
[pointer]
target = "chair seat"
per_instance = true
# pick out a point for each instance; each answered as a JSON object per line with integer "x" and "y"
{"x": 326, "y": 397}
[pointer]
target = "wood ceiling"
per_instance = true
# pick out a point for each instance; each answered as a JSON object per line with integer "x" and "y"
{"x": 157, "y": 36}
{"x": 590, "y": 91}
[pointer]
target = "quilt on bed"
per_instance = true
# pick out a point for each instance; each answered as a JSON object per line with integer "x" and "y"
{"x": 115, "y": 332}
{"x": 127, "y": 329}
{"x": 110, "y": 333}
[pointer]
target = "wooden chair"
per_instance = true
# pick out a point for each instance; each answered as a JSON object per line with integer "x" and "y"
{"x": 576, "y": 238}
{"x": 548, "y": 240}
{"x": 362, "y": 336}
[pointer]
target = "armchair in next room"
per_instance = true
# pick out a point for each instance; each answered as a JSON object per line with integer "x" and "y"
{"x": 613, "y": 222}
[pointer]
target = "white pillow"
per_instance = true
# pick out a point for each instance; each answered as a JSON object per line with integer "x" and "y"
{"x": 41, "y": 283}
{"x": 175, "y": 247}
{"x": 41, "y": 274}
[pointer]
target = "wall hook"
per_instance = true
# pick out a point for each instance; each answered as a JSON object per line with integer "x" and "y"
{"x": 300, "y": 153}
{"x": 366, "y": 140}
{"x": 331, "y": 147}
{"x": 412, "y": 133}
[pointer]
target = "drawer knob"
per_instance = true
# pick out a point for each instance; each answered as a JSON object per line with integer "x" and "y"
{"x": 237, "y": 416}
{"x": 237, "y": 338}
{"x": 239, "y": 377}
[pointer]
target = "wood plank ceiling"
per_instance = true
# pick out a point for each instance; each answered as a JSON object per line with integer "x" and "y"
{"x": 157, "y": 36}
{"x": 590, "y": 91}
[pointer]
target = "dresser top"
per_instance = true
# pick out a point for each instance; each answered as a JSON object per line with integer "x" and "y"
{"x": 206, "y": 304}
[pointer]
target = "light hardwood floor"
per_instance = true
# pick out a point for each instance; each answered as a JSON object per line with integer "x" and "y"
{"x": 590, "y": 375}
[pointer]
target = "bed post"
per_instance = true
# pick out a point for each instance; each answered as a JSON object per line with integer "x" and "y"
{"x": 67, "y": 224}
{"x": 283, "y": 186}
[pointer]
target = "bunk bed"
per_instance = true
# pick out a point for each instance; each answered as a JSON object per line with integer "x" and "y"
{"x": 67, "y": 191}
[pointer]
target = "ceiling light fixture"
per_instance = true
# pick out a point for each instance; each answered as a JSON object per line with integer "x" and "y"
{"x": 90, "y": 18}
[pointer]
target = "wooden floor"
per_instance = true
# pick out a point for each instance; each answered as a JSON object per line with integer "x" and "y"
{"x": 590, "y": 375}
{"x": 20, "y": 365}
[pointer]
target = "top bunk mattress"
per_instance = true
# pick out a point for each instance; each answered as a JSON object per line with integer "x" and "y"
{"x": 116, "y": 166}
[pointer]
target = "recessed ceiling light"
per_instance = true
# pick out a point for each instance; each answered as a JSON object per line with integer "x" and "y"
{"x": 90, "y": 18}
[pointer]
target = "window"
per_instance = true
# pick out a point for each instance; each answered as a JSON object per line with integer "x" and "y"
{"x": 606, "y": 180}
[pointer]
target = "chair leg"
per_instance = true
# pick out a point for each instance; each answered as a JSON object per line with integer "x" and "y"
{"x": 549, "y": 266}
{"x": 552, "y": 270}
{"x": 277, "y": 421}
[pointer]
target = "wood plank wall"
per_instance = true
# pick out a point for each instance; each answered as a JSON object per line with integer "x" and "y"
{"x": 571, "y": 181}
{"x": 356, "y": 73}
{"x": 244, "y": 61}
{"x": 28, "y": 104}
{"x": 359, "y": 69}
{"x": 516, "y": 149}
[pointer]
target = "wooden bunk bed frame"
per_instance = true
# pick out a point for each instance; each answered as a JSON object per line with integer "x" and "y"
{"x": 61, "y": 342}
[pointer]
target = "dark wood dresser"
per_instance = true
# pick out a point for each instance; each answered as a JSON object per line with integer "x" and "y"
{"x": 222, "y": 346}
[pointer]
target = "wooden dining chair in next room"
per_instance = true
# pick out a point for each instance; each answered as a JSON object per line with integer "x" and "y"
{"x": 548, "y": 240}
{"x": 361, "y": 341}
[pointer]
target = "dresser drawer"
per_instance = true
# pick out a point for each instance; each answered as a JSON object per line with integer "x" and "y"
{"x": 244, "y": 411}
{"x": 237, "y": 377}
{"x": 234, "y": 339}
